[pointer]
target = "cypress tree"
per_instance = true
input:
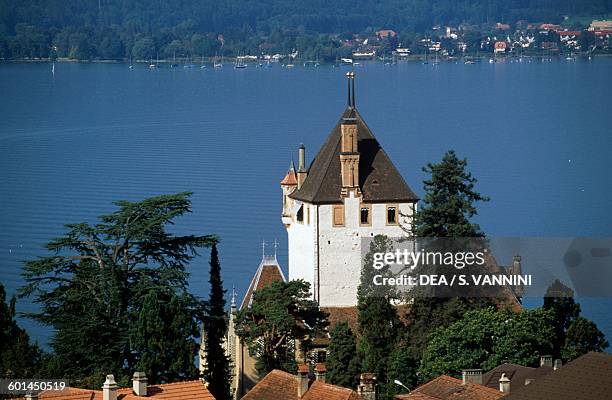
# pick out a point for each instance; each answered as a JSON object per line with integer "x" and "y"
{"x": 217, "y": 372}
{"x": 342, "y": 361}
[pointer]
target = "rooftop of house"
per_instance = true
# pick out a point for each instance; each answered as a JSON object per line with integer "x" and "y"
{"x": 188, "y": 390}
{"x": 516, "y": 373}
{"x": 379, "y": 180}
{"x": 587, "y": 377}
{"x": 269, "y": 271}
{"x": 448, "y": 388}
{"x": 281, "y": 385}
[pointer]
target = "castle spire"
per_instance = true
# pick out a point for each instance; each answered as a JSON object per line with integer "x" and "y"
{"x": 351, "y": 88}
{"x": 234, "y": 294}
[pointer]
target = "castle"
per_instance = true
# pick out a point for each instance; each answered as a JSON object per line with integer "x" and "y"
{"x": 351, "y": 190}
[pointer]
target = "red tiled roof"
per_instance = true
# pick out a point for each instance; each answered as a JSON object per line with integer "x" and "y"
{"x": 269, "y": 271}
{"x": 290, "y": 179}
{"x": 189, "y": 390}
{"x": 325, "y": 391}
{"x": 277, "y": 385}
{"x": 448, "y": 388}
{"x": 281, "y": 385}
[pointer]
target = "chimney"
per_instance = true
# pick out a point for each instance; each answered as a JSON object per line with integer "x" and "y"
{"x": 546, "y": 361}
{"x": 504, "y": 384}
{"x": 516, "y": 265}
{"x": 301, "y": 173}
{"x": 302, "y": 378}
{"x": 472, "y": 376}
{"x": 109, "y": 389}
{"x": 349, "y": 155}
{"x": 139, "y": 382}
{"x": 367, "y": 386}
{"x": 320, "y": 372}
{"x": 558, "y": 364}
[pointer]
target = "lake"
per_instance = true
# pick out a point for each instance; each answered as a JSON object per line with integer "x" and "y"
{"x": 537, "y": 136}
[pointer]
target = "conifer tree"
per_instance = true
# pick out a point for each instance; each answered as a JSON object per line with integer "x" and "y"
{"x": 18, "y": 357}
{"x": 449, "y": 201}
{"x": 93, "y": 285}
{"x": 280, "y": 314}
{"x": 446, "y": 212}
{"x": 217, "y": 372}
{"x": 342, "y": 362}
{"x": 379, "y": 324}
{"x": 163, "y": 339}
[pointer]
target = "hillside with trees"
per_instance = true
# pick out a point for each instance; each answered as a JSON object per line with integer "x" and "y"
{"x": 126, "y": 29}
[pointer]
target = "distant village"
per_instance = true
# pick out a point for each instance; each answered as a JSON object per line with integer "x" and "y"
{"x": 497, "y": 40}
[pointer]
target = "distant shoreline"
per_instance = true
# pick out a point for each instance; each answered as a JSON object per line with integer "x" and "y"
{"x": 209, "y": 60}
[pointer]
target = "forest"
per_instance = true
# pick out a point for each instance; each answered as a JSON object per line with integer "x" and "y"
{"x": 139, "y": 29}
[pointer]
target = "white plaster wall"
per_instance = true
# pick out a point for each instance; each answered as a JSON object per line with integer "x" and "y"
{"x": 340, "y": 249}
{"x": 301, "y": 241}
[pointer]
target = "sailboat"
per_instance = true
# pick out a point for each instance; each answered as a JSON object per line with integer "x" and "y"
{"x": 239, "y": 64}
{"x": 217, "y": 63}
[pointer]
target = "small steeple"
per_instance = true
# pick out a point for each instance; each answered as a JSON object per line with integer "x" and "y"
{"x": 234, "y": 294}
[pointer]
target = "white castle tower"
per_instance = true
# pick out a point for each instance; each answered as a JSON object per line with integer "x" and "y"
{"x": 350, "y": 190}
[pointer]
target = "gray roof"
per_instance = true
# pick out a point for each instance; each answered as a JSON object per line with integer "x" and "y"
{"x": 516, "y": 373}
{"x": 379, "y": 180}
{"x": 588, "y": 377}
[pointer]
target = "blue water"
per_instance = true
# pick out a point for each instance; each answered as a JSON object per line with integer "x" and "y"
{"x": 537, "y": 136}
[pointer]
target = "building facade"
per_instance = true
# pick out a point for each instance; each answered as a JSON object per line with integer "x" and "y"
{"x": 350, "y": 191}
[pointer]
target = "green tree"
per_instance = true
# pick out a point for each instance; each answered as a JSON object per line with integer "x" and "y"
{"x": 379, "y": 324}
{"x": 448, "y": 206}
{"x": 449, "y": 201}
{"x": 403, "y": 366}
{"x": 163, "y": 339}
{"x": 582, "y": 337}
{"x": 280, "y": 314}
{"x": 92, "y": 290}
{"x": 485, "y": 338}
{"x": 144, "y": 49}
{"x": 217, "y": 372}
{"x": 559, "y": 299}
{"x": 18, "y": 357}
{"x": 342, "y": 362}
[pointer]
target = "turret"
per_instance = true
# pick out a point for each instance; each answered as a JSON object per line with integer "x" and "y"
{"x": 288, "y": 186}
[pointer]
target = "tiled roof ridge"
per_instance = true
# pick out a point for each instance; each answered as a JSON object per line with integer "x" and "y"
{"x": 456, "y": 380}
{"x": 329, "y": 386}
{"x": 382, "y": 149}
{"x": 329, "y": 160}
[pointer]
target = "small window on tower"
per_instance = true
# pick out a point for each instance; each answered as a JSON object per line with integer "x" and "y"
{"x": 391, "y": 215}
{"x": 364, "y": 215}
{"x": 338, "y": 215}
{"x": 300, "y": 214}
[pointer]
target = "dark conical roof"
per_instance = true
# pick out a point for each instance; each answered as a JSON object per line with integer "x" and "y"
{"x": 379, "y": 180}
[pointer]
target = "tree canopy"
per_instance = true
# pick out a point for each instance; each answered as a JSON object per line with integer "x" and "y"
{"x": 280, "y": 314}
{"x": 134, "y": 28}
{"x": 485, "y": 339}
{"x": 18, "y": 357}
{"x": 105, "y": 287}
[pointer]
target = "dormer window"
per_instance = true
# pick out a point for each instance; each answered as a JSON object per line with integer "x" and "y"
{"x": 392, "y": 211}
